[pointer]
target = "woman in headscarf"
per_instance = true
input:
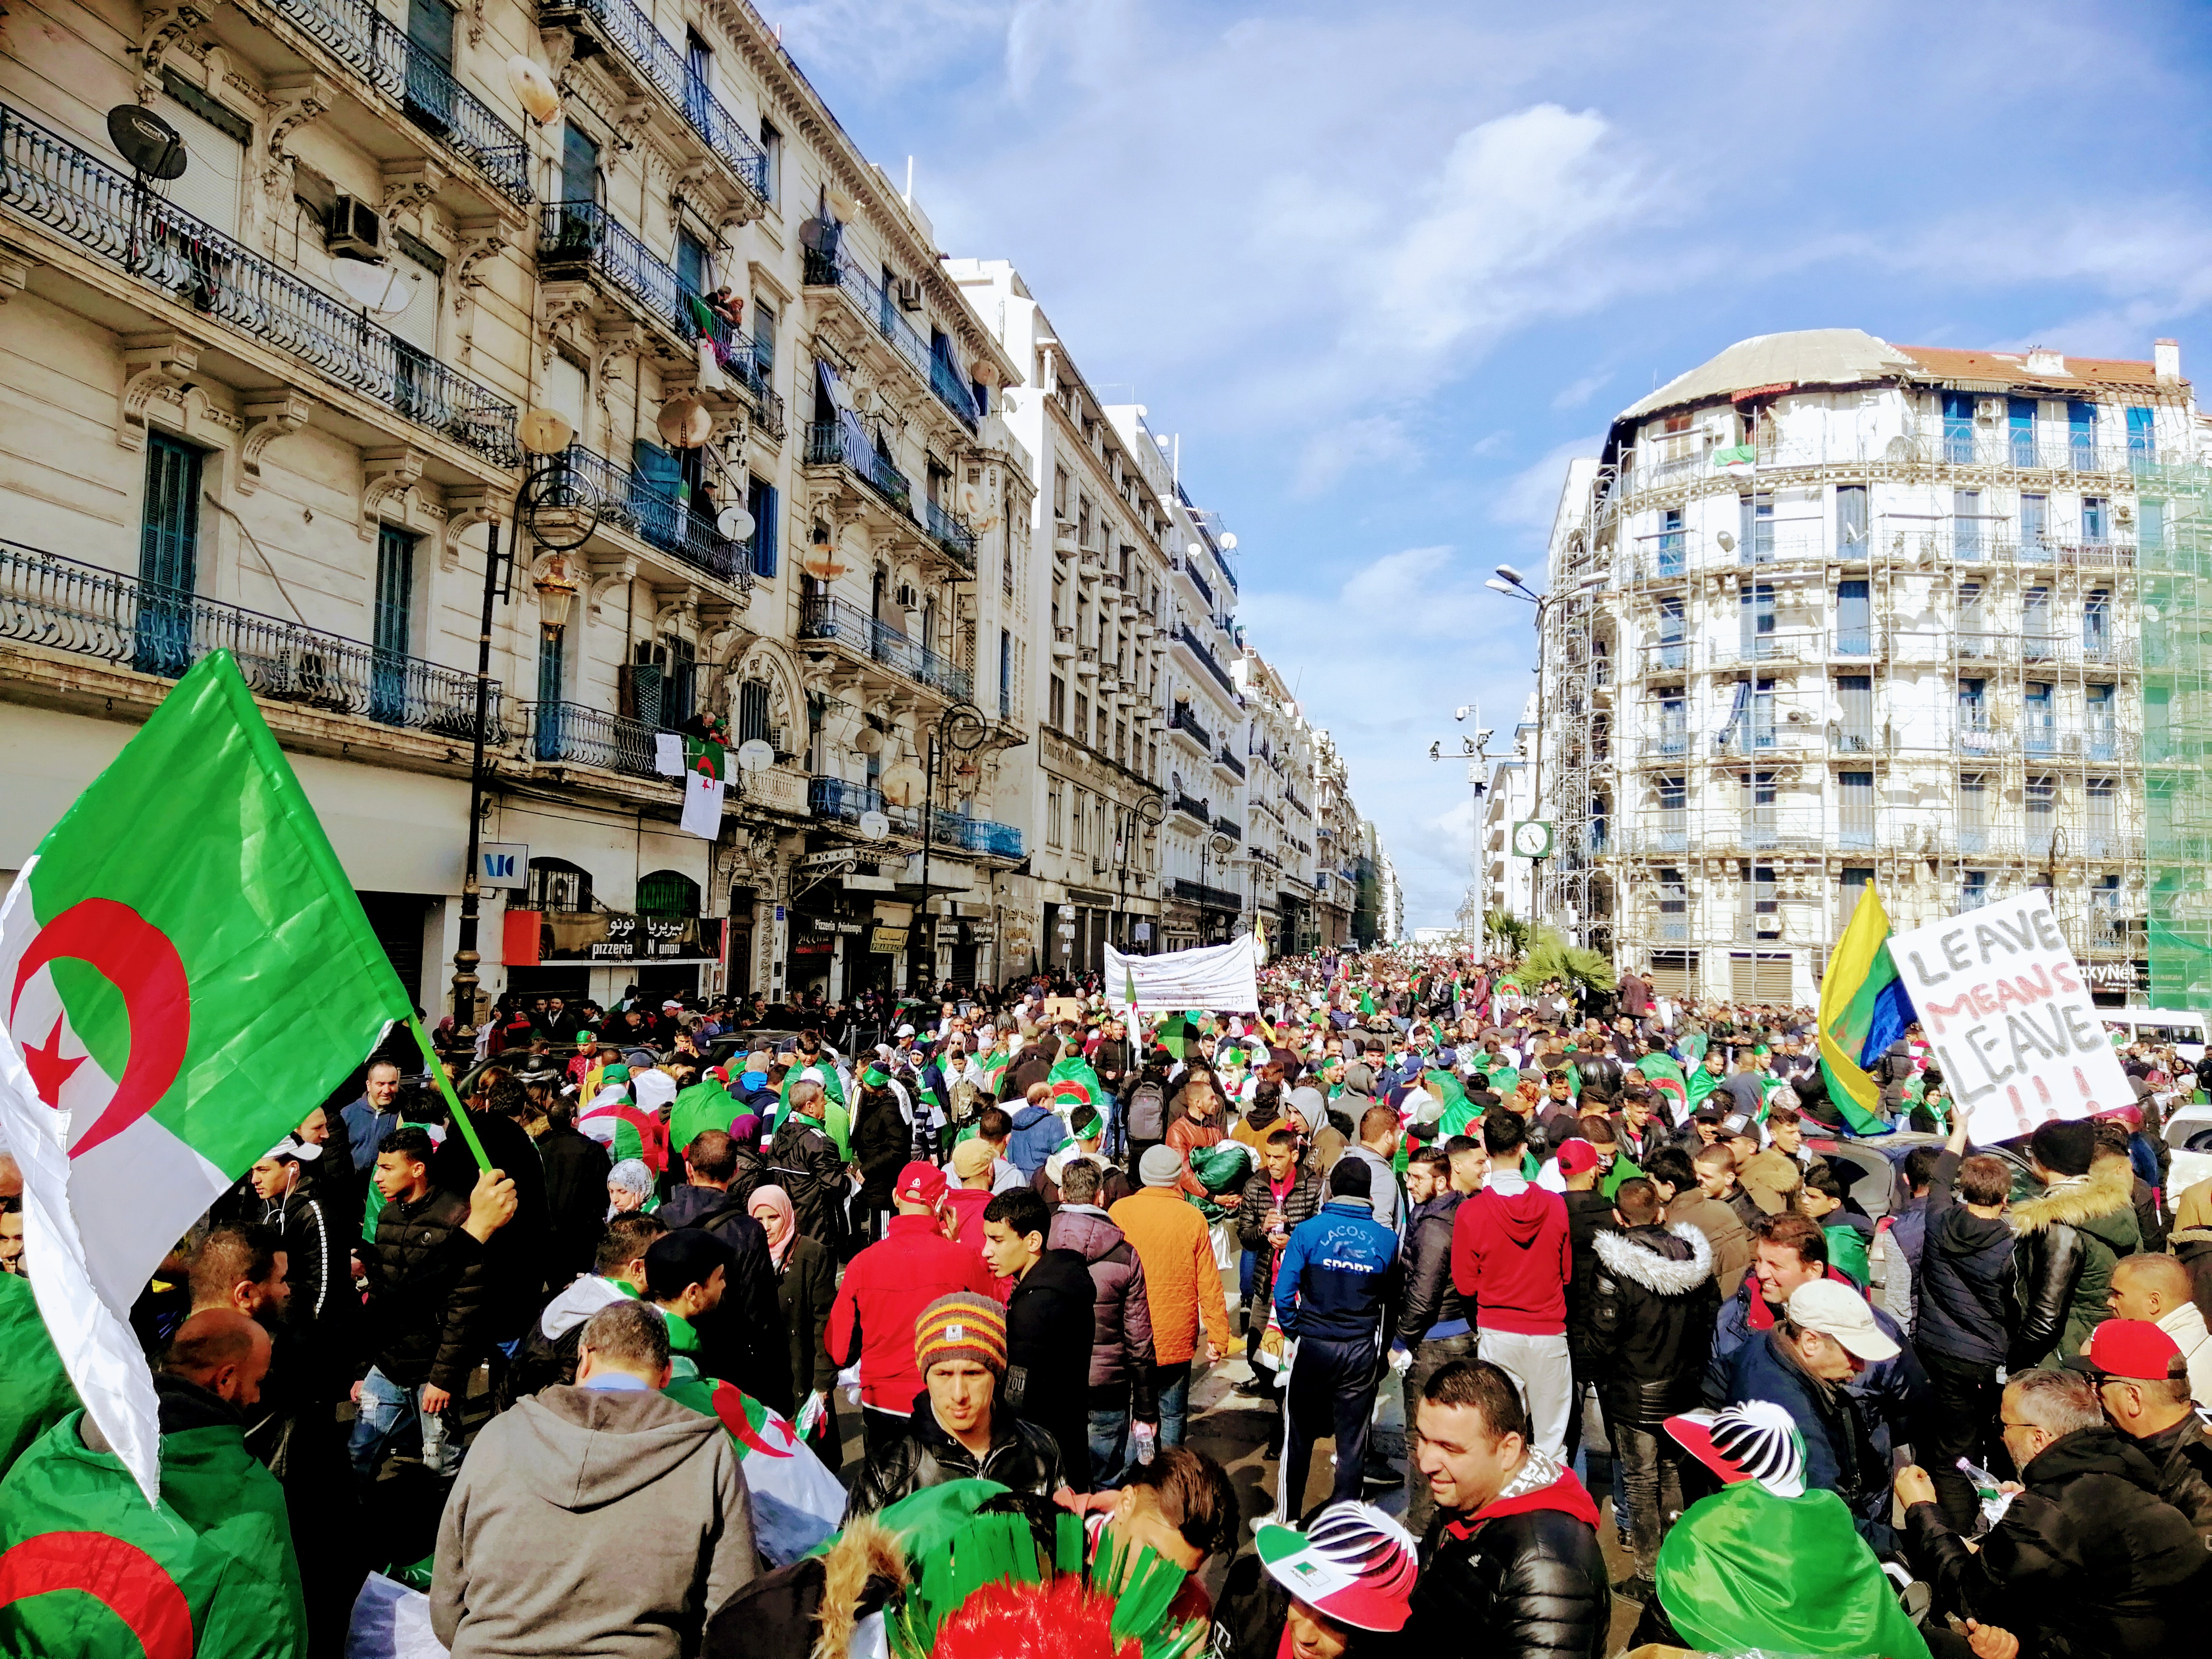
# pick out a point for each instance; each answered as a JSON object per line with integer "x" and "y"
{"x": 629, "y": 1188}
{"x": 806, "y": 1286}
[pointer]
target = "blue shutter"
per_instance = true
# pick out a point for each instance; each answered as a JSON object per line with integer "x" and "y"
{"x": 761, "y": 502}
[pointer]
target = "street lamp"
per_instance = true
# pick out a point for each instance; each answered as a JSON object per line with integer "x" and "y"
{"x": 1221, "y": 847}
{"x": 962, "y": 729}
{"x": 544, "y": 435}
{"x": 1509, "y": 581}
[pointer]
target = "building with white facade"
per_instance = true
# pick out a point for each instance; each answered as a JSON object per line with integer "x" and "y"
{"x": 1833, "y": 613}
{"x": 1281, "y": 766}
{"x": 1508, "y": 883}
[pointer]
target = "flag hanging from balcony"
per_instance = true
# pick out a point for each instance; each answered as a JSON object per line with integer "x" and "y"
{"x": 187, "y": 972}
{"x": 1863, "y": 1009}
{"x": 705, "y": 775}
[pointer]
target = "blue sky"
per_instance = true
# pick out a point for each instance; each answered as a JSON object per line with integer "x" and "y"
{"x": 1385, "y": 266}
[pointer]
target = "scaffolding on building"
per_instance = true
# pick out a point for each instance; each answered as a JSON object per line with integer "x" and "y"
{"x": 1758, "y": 771}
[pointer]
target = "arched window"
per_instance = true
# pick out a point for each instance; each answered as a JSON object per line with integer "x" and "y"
{"x": 667, "y": 893}
{"x": 557, "y": 884}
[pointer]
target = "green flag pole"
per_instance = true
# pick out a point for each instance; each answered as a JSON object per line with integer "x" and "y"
{"x": 445, "y": 1088}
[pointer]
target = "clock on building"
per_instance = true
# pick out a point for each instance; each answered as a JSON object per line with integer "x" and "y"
{"x": 1532, "y": 839}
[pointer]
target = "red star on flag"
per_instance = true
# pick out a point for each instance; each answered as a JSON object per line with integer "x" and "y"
{"x": 49, "y": 1071}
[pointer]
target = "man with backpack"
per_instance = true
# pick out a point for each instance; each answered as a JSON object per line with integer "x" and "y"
{"x": 1145, "y": 1114}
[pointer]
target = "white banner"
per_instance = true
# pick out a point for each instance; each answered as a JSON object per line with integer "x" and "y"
{"x": 1223, "y": 979}
{"x": 2008, "y": 1011}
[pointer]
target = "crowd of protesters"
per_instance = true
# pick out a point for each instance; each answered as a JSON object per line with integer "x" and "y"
{"x": 1605, "y": 1247}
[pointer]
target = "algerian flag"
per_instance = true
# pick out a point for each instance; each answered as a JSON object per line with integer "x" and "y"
{"x": 1666, "y": 1078}
{"x": 704, "y": 772}
{"x": 87, "y": 1568}
{"x": 796, "y": 1501}
{"x": 34, "y": 1389}
{"x": 188, "y": 971}
{"x": 1074, "y": 1084}
{"x": 1366, "y": 1004}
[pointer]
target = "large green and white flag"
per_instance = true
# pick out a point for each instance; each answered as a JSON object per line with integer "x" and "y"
{"x": 188, "y": 973}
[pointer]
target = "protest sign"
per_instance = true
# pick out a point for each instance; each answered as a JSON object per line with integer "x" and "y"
{"x": 1059, "y": 1008}
{"x": 1222, "y": 978}
{"x": 2008, "y": 1012}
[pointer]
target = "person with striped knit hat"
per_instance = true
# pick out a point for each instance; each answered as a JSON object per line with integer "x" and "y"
{"x": 961, "y": 1428}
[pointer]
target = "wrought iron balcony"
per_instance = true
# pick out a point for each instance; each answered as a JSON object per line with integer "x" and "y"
{"x": 589, "y": 482}
{"x": 978, "y": 835}
{"x": 660, "y": 62}
{"x": 736, "y": 354}
{"x": 379, "y": 50}
{"x": 823, "y": 617}
{"x": 65, "y": 605}
{"x": 577, "y": 236}
{"x": 1198, "y": 649}
{"x": 833, "y": 443}
{"x": 1190, "y": 568}
{"x": 1188, "y": 723}
{"x": 1292, "y": 796}
{"x": 845, "y": 801}
{"x": 951, "y": 532}
{"x": 1235, "y": 831}
{"x": 1224, "y": 758}
{"x": 590, "y": 737}
{"x": 881, "y": 309}
{"x": 1189, "y": 807}
{"x": 1199, "y": 892}
{"x": 74, "y": 194}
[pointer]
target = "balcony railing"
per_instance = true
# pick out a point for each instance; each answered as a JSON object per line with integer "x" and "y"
{"x": 951, "y": 532}
{"x": 1199, "y": 892}
{"x": 590, "y": 482}
{"x": 65, "y": 605}
{"x": 590, "y": 737}
{"x": 1224, "y": 758}
{"x": 832, "y": 443}
{"x": 379, "y": 51}
{"x": 1297, "y": 805}
{"x": 584, "y": 233}
{"x": 73, "y": 193}
{"x": 978, "y": 835}
{"x": 824, "y": 617}
{"x": 1198, "y": 649}
{"x": 1190, "y": 807}
{"x": 1228, "y": 827}
{"x": 1188, "y": 724}
{"x": 828, "y": 270}
{"x": 846, "y": 801}
{"x": 661, "y": 61}
{"x": 1190, "y": 568}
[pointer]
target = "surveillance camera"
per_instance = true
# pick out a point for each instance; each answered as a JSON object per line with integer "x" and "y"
{"x": 1462, "y": 711}
{"x": 1484, "y": 737}
{"x": 1436, "y": 750}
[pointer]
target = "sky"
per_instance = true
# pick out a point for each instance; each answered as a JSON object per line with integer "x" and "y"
{"x": 1386, "y": 268}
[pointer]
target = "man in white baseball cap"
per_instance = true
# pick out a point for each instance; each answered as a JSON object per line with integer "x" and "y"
{"x": 1827, "y": 1336}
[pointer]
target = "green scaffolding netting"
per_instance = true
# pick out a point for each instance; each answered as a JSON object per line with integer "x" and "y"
{"x": 2173, "y": 506}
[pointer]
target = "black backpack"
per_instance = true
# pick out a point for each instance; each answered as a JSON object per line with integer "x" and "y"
{"x": 1148, "y": 1111}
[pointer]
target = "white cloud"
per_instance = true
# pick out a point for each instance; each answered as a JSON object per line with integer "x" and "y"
{"x": 1371, "y": 443}
{"x": 1577, "y": 392}
{"x": 1530, "y": 498}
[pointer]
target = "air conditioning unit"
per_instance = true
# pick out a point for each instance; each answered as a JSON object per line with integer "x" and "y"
{"x": 354, "y": 227}
{"x": 909, "y": 293}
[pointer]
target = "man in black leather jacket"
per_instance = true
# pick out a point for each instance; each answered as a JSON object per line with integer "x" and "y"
{"x": 1510, "y": 1568}
{"x": 961, "y": 1429}
{"x": 1433, "y": 1326}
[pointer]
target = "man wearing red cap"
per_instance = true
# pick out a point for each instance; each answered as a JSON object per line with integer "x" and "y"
{"x": 2142, "y": 1382}
{"x": 884, "y": 1292}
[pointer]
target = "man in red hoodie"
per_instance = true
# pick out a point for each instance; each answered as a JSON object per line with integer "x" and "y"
{"x": 1512, "y": 1262}
{"x": 885, "y": 1292}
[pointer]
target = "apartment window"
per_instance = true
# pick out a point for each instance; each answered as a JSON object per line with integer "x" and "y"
{"x": 1082, "y": 519}
{"x": 1082, "y": 718}
{"x": 217, "y": 140}
{"x": 1959, "y": 428}
{"x": 2082, "y": 434}
{"x": 1755, "y": 614}
{"x": 1762, "y": 903}
{"x": 2100, "y": 728}
{"x": 1756, "y": 545}
{"x": 764, "y": 341}
{"x": 2038, "y": 721}
{"x": 771, "y": 141}
{"x": 2037, "y": 643}
{"x": 2035, "y": 528}
{"x": 2143, "y": 439}
{"x": 2096, "y": 518}
{"x": 1671, "y": 541}
{"x": 761, "y": 502}
{"x": 1673, "y": 737}
{"x": 2020, "y": 427}
{"x": 1967, "y": 520}
{"x": 1854, "y": 809}
{"x": 1056, "y": 704}
{"x": 1076, "y": 821}
{"x": 1122, "y": 742}
{"x": 1761, "y": 713}
{"x": 2158, "y": 723}
{"x": 753, "y": 712}
{"x": 168, "y": 556}
{"x": 1005, "y": 674}
{"x": 1060, "y": 492}
{"x": 1973, "y": 890}
{"x": 1674, "y": 906}
{"x": 1851, "y": 884}
{"x": 1052, "y": 814}
{"x": 2097, "y": 625}
{"x": 1973, "y": 812}
{"x": 1854, "y": 618}
{"x": 1758, "y": 791}
{"x": 1974, "y": 712}
{"x": 1672, "y": 623}
{"x": 2100, "y": 818}
{"x": 1975, "y": 639}
{"x": 691, "y": 263}
{"x": 2040, "y": 801}
{"x": 391, "y": 607}
{"x": 552, "y": 675}
{"x": 1850, "y": 521}
{"x": 2150, "y": 524}
{"x": 1855, "y": 702}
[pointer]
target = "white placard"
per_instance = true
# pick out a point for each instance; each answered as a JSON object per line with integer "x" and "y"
{"x": 668, "y": 753}
{"x": 1222, "y": 979}
{"x": 2008, "y": 1011}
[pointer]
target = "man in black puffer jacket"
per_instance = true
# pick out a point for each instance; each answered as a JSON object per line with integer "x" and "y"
{"x": 1963, "y": 1300}
{"x": 1432, "y": 1323}
{"x": 1651, "y": 1319}
{"x": 1510, "y": 1568}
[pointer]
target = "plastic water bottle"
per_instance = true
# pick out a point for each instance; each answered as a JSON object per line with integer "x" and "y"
{"x": 1146, "y": 1436}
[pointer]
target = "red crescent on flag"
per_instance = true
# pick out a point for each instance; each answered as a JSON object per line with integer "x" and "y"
{"x": 730, "y": 1407}
{"x": 123, "y": 1578}
{"x": 138, "y": 959}
{"x": 650, "y": 1131}
{"x": 1073, "y": 1089}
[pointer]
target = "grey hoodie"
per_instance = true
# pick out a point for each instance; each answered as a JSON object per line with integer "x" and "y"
{"x": 590, "y": 1522}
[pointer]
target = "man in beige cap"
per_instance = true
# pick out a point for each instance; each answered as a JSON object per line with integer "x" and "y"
{"x": 974, "y": 1166}
{"x": 1827, "y": 1336}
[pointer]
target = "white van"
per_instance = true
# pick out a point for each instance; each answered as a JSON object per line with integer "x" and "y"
{"x": 2183, "y": 1028}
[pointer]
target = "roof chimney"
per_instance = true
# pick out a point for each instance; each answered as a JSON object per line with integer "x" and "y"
{"x": 2165, "y": 358}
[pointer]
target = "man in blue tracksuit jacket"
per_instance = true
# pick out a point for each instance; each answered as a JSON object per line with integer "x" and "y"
{"x": 1338, "y": 1274}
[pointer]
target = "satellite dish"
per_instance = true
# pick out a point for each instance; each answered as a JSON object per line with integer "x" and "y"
{"x": 1727, "y": 542}
{"x": 812, "y": 235}
{"x": 685, "y": 422}
{"x": 1193, "y": 549}
{"x": 870, "y": 742}
{"x": 533, "y": 89}
{"x": 543, "y": 432}
{"x": 1229, "y": 542}
{"x": 734, "y": 524}
{"x": 756, "y": 755}
{"x": 874, "y": 826}
{"x": 379, "y": 291}
{"x": 900, "y": 784}
{"x": 843, "y": 206}
{"x": 150, "y": 144}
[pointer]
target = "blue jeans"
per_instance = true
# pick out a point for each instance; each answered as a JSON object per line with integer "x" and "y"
{"x": 1110, "y": 1446}
{"x": 386, "y": 1409}
{"x": 1171, "y": 1384}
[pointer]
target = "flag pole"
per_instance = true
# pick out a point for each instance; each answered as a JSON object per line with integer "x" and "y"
{"x": 445, "y": 1088}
